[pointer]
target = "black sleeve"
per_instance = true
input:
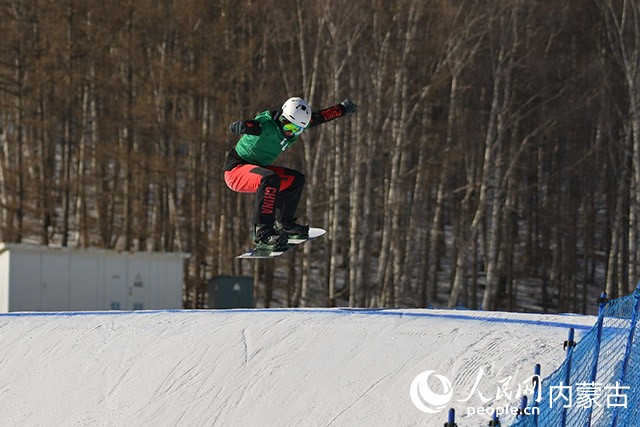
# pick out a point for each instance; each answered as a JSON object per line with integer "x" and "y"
{"x": 326, "y": 115}
{"x": 249, "y": 127}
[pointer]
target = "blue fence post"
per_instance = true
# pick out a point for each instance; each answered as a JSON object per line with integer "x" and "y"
{"x": 495, "y": 421}
{"x": 537, "y": 390}
{"x": 568, "y": 346}
{"x": 602, "y": 302}
{"x": 596, "y": 357}
{"x": 522, "y": 408}
{"x": 570, "y": 343}
{"x": 452, "y": 419}
{"x": 627, "y": 352}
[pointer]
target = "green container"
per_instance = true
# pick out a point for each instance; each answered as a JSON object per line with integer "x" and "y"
{"x": 231, "y": 292}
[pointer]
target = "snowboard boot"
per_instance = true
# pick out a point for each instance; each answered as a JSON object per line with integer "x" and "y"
{"x": 264, "y": 236}
{"x": 292, "y": 229}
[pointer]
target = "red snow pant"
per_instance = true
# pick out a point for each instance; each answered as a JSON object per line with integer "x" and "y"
{"x": 278, "y": 190}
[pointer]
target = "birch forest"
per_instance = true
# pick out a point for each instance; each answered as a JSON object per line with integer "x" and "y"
{"x": 493, "y": 162}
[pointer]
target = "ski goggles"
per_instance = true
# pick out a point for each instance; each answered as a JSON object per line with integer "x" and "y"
{"x": 291, "y": 127}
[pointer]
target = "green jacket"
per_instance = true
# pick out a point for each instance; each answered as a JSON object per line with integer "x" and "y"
{"x": 264, "y": 149}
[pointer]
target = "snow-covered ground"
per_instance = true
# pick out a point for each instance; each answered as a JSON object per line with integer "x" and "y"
{"x": 278, "y": 367}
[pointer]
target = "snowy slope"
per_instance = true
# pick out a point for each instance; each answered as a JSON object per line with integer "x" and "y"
{"x": 265, "y": 367}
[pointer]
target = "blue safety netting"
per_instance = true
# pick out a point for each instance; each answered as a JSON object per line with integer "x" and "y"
{"x": 598, "y": 382}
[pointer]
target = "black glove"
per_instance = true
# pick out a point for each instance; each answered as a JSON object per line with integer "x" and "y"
{"x": 349, "y": 107}
{"x": 237, "y": 127}
{"x": 251, "y": 127}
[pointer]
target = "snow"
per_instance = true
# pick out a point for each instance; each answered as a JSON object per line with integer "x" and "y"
{"x": 278, "y": 367}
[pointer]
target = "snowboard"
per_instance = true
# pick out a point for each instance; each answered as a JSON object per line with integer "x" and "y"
{"x": 314, "y": 233}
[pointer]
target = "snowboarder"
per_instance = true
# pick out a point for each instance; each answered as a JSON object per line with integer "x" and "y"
{"x": 249, "y": 169}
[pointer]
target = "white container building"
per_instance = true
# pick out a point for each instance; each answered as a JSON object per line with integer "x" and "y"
{"x": 41, "y": 278}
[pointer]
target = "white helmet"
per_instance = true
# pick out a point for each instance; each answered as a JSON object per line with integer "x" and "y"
{"x": 297, "y": 111}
